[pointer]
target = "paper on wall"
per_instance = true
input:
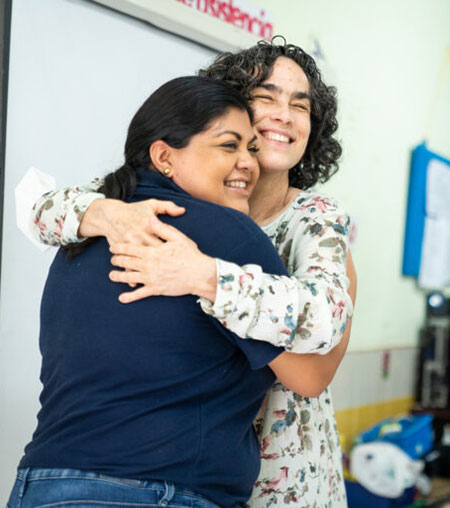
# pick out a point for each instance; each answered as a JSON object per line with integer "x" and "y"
{"x": 27, "y": 192}
{"x": 438, "y": 189}
{"x": 435, "y": 265}
{"x": 435, "y": 262}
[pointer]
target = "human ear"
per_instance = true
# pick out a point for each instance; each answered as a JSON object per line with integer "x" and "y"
{"x": 162, "y": 157}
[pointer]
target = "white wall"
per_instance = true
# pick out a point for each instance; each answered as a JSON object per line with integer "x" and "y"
{"x": 78, "y": 72}
{"x": 361, "y": 379}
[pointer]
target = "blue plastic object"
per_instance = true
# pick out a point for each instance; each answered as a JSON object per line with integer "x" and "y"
{"x": 359, "y": 497}
{"x": 413, "y": 434}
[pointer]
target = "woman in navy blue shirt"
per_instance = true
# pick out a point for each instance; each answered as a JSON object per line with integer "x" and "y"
{"x": 154, "y": 402}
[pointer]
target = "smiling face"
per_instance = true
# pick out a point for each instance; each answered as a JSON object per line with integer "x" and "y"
{"x": 281, "y": 106}
{"x": 219, "y": 164}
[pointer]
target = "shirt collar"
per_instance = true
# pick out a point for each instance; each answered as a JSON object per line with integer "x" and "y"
{"x": 153, "y": 179}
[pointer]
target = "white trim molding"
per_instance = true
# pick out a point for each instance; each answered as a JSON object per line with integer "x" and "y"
{"x": 220, "y": 25}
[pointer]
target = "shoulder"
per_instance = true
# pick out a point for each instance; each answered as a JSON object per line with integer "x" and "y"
{"x": 221, "y": 231}
{"x": 211, "y": 218}
{"x": 310, "y": 216}
{"x": 312, "y": 207}
{"x": 246, "y": 226}
{"x": 246, "y": 242}
{"x": 249, "y": 242}
{"x": 313, "y": 203}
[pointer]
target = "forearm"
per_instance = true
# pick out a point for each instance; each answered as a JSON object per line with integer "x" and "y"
{"x": 305, "y": 313}
{"x": 310, "y": 374}
{"x": 56, "y": 215}
{"x": 253, "y": 304}
{"x": 206, "y": 286}
{"x": 301, "y": 315}
{"x": 97, "y": 218}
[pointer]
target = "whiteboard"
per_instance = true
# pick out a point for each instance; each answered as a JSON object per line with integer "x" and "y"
{"x": 78, "y": 72}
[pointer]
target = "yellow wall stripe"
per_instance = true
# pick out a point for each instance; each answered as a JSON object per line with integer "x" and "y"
{"x": 354, "y": 420}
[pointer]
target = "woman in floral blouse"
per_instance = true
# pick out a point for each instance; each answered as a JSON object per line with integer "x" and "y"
{"x": 295, "y": 116}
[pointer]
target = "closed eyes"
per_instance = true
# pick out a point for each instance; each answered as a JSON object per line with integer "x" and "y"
{"x": 263, "y": 97}
{"x": 232, "y": 145}
{"x": 303, "y": 107}
{"x": 268, "y": 98}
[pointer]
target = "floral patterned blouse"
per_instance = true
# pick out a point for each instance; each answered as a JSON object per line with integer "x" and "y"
{"x": 301, "y": 462}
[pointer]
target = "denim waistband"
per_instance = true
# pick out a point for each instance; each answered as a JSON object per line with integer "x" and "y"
{"x": 31, "y": 474}
{"x": 37, "y": 473}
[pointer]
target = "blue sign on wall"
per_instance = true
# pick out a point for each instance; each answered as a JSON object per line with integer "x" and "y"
{"x": 416, "y": 210}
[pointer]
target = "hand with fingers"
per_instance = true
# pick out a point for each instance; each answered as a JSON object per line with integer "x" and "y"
{"x": 166, "y": 263}
{"x": 125, "y": 222}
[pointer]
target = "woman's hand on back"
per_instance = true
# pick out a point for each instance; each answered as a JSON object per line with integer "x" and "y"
{"x": 166, "y": 263}
{"x": 125, "y": 222}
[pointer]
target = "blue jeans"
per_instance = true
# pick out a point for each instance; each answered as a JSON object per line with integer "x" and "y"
{"x": 71, "y": 488}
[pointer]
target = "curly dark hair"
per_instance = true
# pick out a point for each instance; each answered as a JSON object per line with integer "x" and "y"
{"x": 246, "y": 69}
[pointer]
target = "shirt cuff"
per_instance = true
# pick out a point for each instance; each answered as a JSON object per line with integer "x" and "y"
{"x": 30, "y": 188}
{"x": 227, "y": 290}
{"x": 69, "y": 232}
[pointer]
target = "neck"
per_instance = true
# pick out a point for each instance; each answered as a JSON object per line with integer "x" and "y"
{"x": 270, "y": 197}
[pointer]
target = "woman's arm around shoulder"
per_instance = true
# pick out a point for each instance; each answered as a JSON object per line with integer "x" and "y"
{"x": 72, "y": 214}
{"x": 305, "y": 313}
{"x": 308, "y": 312}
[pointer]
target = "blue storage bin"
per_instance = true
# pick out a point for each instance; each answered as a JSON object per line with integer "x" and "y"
{"x": 359, "y": 497}
{"x": 413, "y": 434}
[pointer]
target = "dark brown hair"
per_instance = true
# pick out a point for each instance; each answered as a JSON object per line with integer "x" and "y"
{"x": 246, "y": 69}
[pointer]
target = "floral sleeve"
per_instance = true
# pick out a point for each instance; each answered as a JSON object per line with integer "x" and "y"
{"x": 308, "y": 312}
{"x": 304, "y": 313}
{"x": 56, "y": 215}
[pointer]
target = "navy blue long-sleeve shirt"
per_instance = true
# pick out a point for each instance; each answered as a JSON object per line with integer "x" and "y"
{"x": 156, "y": 389}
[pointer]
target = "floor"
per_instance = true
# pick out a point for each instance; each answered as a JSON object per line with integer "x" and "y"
{"x": 440, "y": 494}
